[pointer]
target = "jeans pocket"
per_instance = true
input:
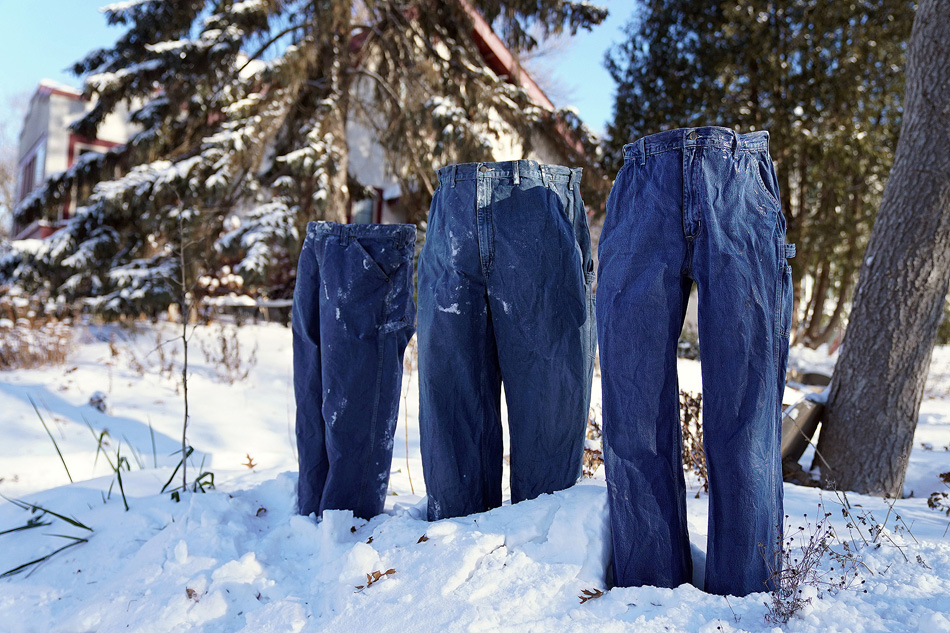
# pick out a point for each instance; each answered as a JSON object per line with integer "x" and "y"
{"x": 387, "y": 284}
{"x": 400, "y": 303}
{"x": 369, "y": 261}
{"x": 764, "y": 173}
{"x": 565, "y": 198}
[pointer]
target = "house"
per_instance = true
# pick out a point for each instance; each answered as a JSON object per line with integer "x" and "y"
{"x": 48, "y": 146}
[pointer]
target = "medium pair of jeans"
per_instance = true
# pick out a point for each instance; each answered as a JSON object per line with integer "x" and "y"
{"x": 504, "y": 297}
{"x": 696, "y": 206}
{"x": 353, "y": 315}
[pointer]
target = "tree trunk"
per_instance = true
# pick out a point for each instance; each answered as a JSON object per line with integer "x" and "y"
{"x": 844, "y": 286}
{"x": 339, "y": 59}
{"x": 338, "y": 199}
{"x": 825, "y": 335}
{"x": 878, "y": 384}
{"x": 816, "y": 307}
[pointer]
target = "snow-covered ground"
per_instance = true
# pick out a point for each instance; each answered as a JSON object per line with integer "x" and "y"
{"x": 238, "y": 559}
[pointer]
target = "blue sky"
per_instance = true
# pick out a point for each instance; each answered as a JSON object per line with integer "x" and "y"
{"x": 42, "y": 38}
{"x": 582, "y": 65}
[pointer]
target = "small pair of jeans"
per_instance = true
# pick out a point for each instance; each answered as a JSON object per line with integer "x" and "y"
{"x": 504, "y": 296}
{"x": 695, "y": 205}
{"x": 353, "y": 315}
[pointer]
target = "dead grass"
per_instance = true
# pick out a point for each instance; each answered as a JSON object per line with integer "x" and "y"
{"x": 28, "y": 339}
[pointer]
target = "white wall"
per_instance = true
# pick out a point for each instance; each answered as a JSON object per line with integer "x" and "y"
{"x": 46, "y": 128}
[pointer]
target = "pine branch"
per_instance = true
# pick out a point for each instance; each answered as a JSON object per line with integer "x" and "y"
{"x": 260, "y": 51}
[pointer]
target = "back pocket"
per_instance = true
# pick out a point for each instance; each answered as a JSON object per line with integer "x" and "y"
{"x": 393, "y": 265}
{"x": 370, "y": 263}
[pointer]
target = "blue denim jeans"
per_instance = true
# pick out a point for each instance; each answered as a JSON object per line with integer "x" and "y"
{"x": 695, "y": 205}
{"x": 352, "y": 318}
{"x": 504, "y": 296}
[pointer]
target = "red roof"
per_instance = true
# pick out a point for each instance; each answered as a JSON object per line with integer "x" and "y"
{"x": 500, "y": 59}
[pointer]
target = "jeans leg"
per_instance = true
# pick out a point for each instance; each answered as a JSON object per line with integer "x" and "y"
{"x": 739, "y": 268}
{"x": 459, "y": 380}
{"x": 365, "y": 313}
{"x": 539, "y": 310}
{"x": 642, "y": 296}
{"x": 308, "y": 384}
{"x": 369, "y": 280}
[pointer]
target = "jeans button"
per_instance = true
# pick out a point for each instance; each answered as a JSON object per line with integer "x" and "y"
{"x": 692, "y": 136}
{"x": 483, "y": 169}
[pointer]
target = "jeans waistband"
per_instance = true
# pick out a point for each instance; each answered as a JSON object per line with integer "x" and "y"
{"x": 514, "y": 169}
{"x": 400, "y": 234}
{"x": 710, "y": 136}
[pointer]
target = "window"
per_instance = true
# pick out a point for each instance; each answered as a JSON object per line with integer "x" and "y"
{"x": 27, "y": 178}
{"x": 32, "y": 171}
{"x": 363, "y": 211}
{"x": 39, "y": 157}
{"x": 368, "y": 210}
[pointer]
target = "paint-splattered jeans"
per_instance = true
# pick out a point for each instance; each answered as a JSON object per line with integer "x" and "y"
{"x": 353, "y": 316}
{"x": 504, "y": 296}
{"x": 695, "y": 205}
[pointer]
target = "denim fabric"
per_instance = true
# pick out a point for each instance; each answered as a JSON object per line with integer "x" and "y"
{"x": 353, "y": 315}
{"x": 504, "y": 296}
{"x": 695, "y": 205}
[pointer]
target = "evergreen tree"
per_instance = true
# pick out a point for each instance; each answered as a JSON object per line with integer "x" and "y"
{"x": 242, "y": 110}
{"x": 824, "y": 78}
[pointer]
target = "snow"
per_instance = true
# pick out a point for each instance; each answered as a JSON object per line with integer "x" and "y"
{"x": 268, "y": 226}
{"x": 233, "y": 299}
{"x": 247, "y": 5}
{"x": 57, "y": 85}
{"x": 125, "y": 5}
{"x": 169, "y": 45}
{"x": 101, "y": 82}
{"x": 238, "y": 559}
{"x": 32, "y": 246}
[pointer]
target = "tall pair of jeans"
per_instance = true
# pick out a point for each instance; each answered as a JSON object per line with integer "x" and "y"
{"x": 353, "y": 315}
{"x": 695, "y": 205}
{"x": 504, "y": 297}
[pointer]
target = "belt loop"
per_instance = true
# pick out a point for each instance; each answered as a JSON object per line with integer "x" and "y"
{"x": 544, "y": 175}
{"x": 735, "y": 144}
{"x": 344, "y": 237}
{"x": 452, "y": 175}
{"x": 642, "y": 148}
{"x": 515, "y": 172}
{"x": 572, "y": 180}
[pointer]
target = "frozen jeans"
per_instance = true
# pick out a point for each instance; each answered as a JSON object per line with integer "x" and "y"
{"x": 695, "y": 205}
{"x": 353, "y": 316}
{"x": 504, "y": 296}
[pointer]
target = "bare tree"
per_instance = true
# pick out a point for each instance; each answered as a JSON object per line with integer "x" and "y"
{"x": 543, "y": 62}
{"x": 879, "y": 380}
{"x": 10, "y": 122}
